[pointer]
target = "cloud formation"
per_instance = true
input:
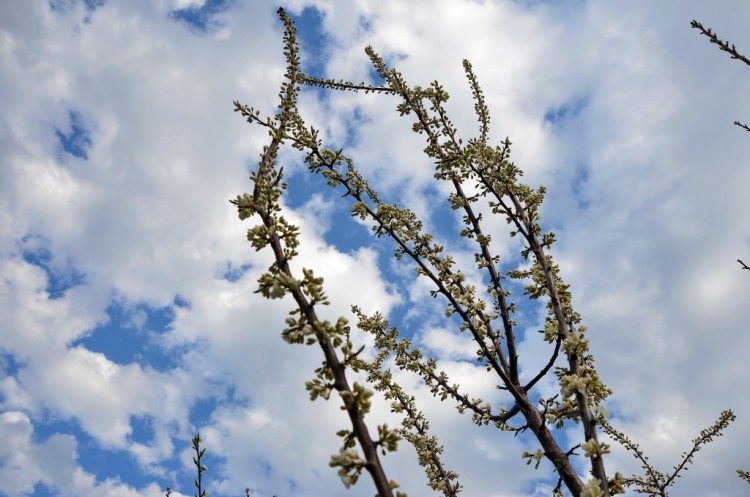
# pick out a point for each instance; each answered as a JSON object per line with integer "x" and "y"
{"x": 129, "y": 318}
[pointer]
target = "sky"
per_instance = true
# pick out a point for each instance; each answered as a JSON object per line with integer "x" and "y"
{"x": 129, "y": 321}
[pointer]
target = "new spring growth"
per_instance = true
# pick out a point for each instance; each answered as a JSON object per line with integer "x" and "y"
{"x": 570, "y": 384}
{"x": 360, "y": 398}
{"x": 592, "y": 448}
{"x": 350, "y": 466}
{"x": 592, "y": 489}
{"x": 535, "y": 457}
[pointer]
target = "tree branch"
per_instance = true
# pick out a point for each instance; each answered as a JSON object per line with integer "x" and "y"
{"x": 723, "y": 45}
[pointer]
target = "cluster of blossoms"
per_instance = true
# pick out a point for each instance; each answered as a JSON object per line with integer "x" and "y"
{"x": 592, "y": 489}
{"x": 594, "y": 448}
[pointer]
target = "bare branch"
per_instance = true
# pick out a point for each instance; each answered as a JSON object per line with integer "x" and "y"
{"x": 723, "y": 45}
{"x": 343, "y": 85}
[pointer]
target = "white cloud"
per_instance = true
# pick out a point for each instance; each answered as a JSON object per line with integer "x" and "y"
{"x": 651, "y": 257}
{"x": 448, "y": 344}
{"x": 27, "y": 463}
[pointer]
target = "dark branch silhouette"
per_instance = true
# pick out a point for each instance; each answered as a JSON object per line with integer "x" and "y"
{"x": 724, "y": 47}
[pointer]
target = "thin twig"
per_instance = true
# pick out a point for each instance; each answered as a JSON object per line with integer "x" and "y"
{"x": 723, "y": 45}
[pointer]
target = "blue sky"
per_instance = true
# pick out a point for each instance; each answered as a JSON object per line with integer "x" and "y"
{"x": 129, "y": 318}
